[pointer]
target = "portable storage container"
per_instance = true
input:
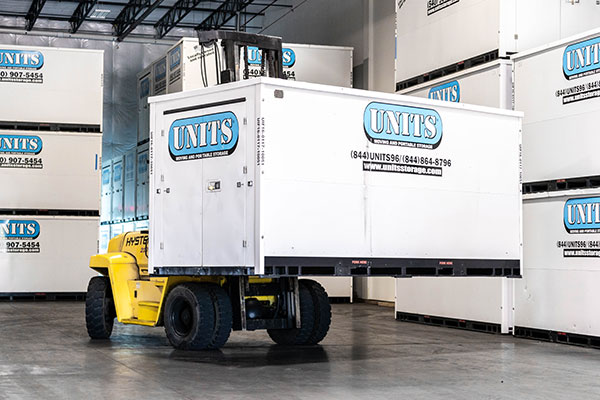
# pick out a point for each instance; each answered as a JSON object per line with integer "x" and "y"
{"x": 129, "y": 185}
{"x": 487, "y": 303}
{"x": 142, "y": 184}
{"x": 38, "y": 84}
{"x": 118, "y": 178}
{"x": 50, "y": 170}
{"x": 558, "y": 88}
{"x": 438, "y": 37}
{"x": 561, "y": 274}
{"x": 106, "y": 192}
{"x": 285, "y": 177}
{"x": 44, "y": 254}
{"x": 488, "y": 85}
{"x": 145, "y": 89}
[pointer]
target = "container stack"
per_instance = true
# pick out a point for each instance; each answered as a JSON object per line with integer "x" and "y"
{"x": 50, "y": 162}
{"x": 438, "y": 61}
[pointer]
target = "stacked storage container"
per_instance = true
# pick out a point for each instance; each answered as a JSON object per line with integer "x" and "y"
{"x": 558, "y": 88}
{"x": 460, "y": 69}
{"x": 50, "y": 147}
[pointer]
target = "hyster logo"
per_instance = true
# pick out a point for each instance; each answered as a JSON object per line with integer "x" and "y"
{"x": 213, "y": 135}
{"x": 255, "y": 58}
{"x": 397, "y": 125}
{"x": 21, "y": 59}
{"x": 582, "y": 215}
{"x": 447, "y": 92}
{"x": 19, "y": 229}
{"x": 581, "y": 59}
{"x": 16, "y": 144}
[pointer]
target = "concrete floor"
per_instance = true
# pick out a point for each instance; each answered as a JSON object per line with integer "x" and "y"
{"x": 45, "y": 354}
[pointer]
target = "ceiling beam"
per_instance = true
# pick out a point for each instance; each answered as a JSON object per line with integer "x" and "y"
{"x": 80, "y": 14}
{"x": 226, "y": 11}
{"x": 132, "y": 15}
{"x": 174, "y": 16}
{"x": 33, "y": 13}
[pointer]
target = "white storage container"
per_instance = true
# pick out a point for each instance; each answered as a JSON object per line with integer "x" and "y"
{"x": 487, "y": 300}
{"x": 558, "y": 88}
{"x": 159, "y": 76}
{"x": 50, "y": 170}
{"x": 61, "y": 87}
{"x": 118, "y": 175}
{"x": 129, "y": 185}
{"x": 43, "y": 254}
{"x": 106, "y": 192}
{"x": 142, "y": 184}
{"x": 561, "y": 274}
{"x": 301, "y": 175}
{"x": 432, "y": 35}
{"x": 488, "y": 85}
{"x": 145, "y": 89}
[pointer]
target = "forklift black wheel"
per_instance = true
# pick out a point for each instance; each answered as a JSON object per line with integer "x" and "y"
{"x": 189, "y": 317}
{"x": 302, "y": 335}
{"x": 99, "y": 308}
{"x": 322, "y": 310}
{"x": 223, "y": 316}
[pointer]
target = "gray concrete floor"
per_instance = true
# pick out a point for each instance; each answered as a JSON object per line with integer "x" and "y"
{"x": 45, "y": 354}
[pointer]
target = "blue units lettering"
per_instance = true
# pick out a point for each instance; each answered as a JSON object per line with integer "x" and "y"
{"x": 19, "y": 229}
{"x": 446, "y": 92}
{"x": 581, "y": 59}
{"x": 21, "y": 59}
{"x": 17, "y": 144}
{"x": 582, "y": 215}
{"x": 255, "y": 57}
{"x": 213, "y": 135}
{"x": 398, "y": 125}
{"x": 160, "y": 70}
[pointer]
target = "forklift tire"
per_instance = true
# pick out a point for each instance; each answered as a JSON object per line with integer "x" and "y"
{"x": 223, "y": 316}
{"x": 298, "y": 336}
{"x": 99, "y": 308}
{"x": 322, "y": 310}
{"x": 189, "y": 317}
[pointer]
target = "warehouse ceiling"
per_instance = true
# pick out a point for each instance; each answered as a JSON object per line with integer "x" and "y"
{"x": 136, "y": 18}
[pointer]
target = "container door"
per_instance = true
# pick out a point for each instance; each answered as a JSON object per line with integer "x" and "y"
{"x": 142, "y": 187}
{"x": 129, "y": 187}
{"x": 117, "y": 190}
{"x": 106, "y": 201}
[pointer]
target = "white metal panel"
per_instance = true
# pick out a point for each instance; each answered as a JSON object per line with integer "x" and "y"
{"x": 46, "y": 170}
{"x": 142, "y": 184}
{"x": 103, "y": 239}
{"x": 487, "y": 85}
{"x": 118, "y": 175}
{"x": 435, "y": 34}
{"x": 53, "y": 258}
{"x": 316, "y": 200}
{"x": 145, "y": 89}
{"x": 338, "y": 286}
{"x": 559, "y": 113}
{"x": 51, "y": 85}
{"x": 129, "y": 185}
{"x": 561, "y": 272}
{"x": 468, "y": 298}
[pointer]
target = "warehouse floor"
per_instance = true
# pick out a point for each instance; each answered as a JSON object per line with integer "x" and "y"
{"x": 45, "y": 353}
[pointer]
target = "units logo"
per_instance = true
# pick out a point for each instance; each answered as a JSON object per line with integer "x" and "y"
{"x": 145, "y": 87}
{"x": 160, "y": 70}
{"x": 397, "y": 125}
{"x": 19, "y": 229}
{"x": 30, "y": 59}
{"x": 255, "y": 58}
{"x": 17, "y": 144}
{"x": 213, "y": 135}
{"x": 582, "y": 215}
{"x": 174, "y": 58}
{"x": 581, "y": 59}
{"x": 449, "y": 91}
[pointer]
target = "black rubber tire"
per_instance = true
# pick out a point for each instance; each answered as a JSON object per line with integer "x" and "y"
{"x": 223, "y": 316}
{"x": 99, "y": 308}
{"x": 189, "y": 317}
{"x": 298, "y": 336}
{"x": 322, "y": 310}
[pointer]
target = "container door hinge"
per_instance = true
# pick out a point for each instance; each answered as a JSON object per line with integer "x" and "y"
{"x": 245, "y": 169}
{"x": 245, "y": 121}
{"x": 244, "y": 243}
{"x": 162, "y": 132}
{"x": 162, "y": 245}
{"x": 162, "y": 178}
